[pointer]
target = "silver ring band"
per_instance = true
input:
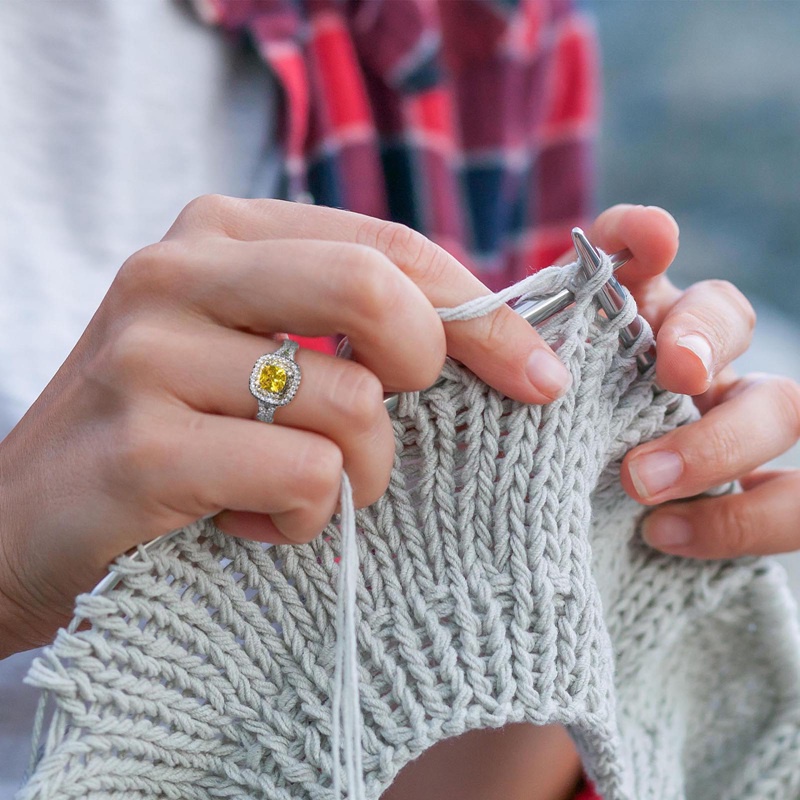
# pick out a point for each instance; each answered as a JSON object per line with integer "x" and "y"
{"x": 275, "y": 379}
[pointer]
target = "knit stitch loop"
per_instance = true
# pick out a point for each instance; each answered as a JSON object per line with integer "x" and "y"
{"x": 500, "y": 579}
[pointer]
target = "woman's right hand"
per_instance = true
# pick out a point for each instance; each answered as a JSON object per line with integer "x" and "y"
{"x": 149, "y": 424}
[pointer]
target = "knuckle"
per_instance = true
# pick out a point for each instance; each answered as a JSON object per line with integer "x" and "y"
{"x": 415, "y": 254}
{"x": 372, "y": 488}
{"x": 735, "y": 297}
{"x": 722, "y": 448}
{"x": 318, "y": 471}
{"x": 379, "y": 297}
{"x": 736, "y": 531}
{"x": 370, "y": 286}
{"x": 357, "y": 397}
{"x": 141, "y": 452}
{"x": 128, "y": 355}
{"x": 392, "y": 238}
{"x": 154, "y": 269}
{"x": 208, "y": 211}
{"x": 788, "y": 395}
{"x": 497, "y": 329}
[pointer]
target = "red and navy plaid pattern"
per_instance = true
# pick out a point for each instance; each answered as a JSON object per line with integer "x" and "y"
{"x": 470, "y": 120}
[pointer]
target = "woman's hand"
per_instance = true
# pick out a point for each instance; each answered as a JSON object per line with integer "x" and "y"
{"x": 150, "y": 424}
{"x": 746, "y": 421}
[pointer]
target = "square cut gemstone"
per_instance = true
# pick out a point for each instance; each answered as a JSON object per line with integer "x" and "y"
{"x": 272, "y": 378}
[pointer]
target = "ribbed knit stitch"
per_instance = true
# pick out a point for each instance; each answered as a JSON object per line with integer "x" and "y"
{"x": 501, "y": 578}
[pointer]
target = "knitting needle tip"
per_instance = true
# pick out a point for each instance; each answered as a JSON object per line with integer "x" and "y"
{"x": 589, "y": 256}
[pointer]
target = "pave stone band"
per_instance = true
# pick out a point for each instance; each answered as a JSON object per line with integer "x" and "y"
{"x": 275, "y": 379}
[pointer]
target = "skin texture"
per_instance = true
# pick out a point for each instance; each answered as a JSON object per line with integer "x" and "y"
{"x": 517, "y": 762}
{"x": 148, "y": 424}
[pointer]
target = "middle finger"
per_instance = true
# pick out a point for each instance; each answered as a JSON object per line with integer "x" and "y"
{"x": 714, "y": 450}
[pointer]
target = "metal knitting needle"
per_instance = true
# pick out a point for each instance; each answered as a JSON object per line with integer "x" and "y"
{"x": 537, "y": 311}
{"x": 611, "y": 297}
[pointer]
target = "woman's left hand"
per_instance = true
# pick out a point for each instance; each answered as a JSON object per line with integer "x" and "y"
{"x": 746, "y": 422}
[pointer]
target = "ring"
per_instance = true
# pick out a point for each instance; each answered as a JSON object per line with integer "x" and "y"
{"x": 275, "y": 379}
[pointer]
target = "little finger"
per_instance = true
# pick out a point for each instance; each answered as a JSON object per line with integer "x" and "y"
{"x": 218, "y": 463}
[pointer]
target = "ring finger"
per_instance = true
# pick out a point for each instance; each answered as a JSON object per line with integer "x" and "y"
{"x": 209, "y": 370}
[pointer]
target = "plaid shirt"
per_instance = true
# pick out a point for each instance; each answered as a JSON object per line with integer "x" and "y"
{"x": 472, "y": 121}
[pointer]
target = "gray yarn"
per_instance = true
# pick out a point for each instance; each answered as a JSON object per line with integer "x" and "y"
{"x": 500, "y": 579}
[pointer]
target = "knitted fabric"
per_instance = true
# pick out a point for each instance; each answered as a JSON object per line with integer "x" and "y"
{"x": 499, "y": 579}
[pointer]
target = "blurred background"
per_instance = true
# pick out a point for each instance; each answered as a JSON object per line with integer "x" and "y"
{"x": 702, "y": 117}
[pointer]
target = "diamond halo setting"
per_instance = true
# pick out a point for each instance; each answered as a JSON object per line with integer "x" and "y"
{"x": 275, "y": 379}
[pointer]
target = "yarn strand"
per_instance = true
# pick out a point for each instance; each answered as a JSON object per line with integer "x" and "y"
{"x": 346, "y": 706}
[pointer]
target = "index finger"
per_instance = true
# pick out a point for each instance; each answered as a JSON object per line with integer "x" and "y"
{"x": 501, "y": 348}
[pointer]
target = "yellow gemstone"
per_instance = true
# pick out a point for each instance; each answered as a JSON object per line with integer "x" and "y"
{"x": 272, "y": 378}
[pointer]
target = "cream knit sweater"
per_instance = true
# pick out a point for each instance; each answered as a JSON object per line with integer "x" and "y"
{"x": 500, "y": 579}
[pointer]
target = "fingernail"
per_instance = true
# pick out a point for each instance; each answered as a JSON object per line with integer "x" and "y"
{"x": 547, "y": 373}
{"x": 654, "y": 472}
{"x": 701, "y": 347}
{"x": 665, "y": 531}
